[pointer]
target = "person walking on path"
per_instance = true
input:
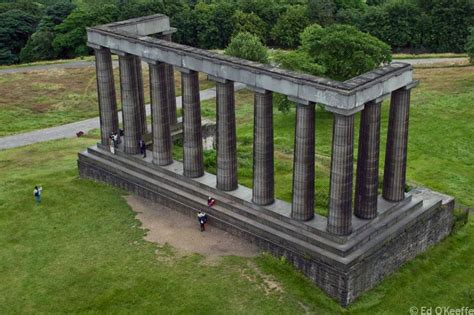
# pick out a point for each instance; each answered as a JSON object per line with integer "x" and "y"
{"x": 202, "y": 218}
{"x": 37, "y": 193}
{"x": 142, "y": 147}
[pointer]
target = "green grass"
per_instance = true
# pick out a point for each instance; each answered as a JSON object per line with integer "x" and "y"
{"x": 81, "y": 250}
{"x": 47, "y": 98}
{"x": 48, "y": 62}
{"x": 428, "y": 56}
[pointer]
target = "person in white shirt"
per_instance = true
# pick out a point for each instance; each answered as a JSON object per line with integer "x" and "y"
{"x": 202, "y": 218}
{"x": 37, "y": 193}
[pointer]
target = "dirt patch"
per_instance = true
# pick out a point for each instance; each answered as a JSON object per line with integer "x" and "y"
{"x": 167, "y": 226}
{"x": 266, "y": 282}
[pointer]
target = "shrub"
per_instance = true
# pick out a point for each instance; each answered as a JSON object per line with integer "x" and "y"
{"x": 247, "y": 46}
{"x": 470, "y": 45}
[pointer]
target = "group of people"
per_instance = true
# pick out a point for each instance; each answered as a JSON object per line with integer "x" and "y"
{"x": 202, "y": 217}
{"x": 115, "y": 140}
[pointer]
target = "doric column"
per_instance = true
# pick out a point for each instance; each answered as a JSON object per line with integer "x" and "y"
{"x": 226, "y": 136}
{"x": 193, "y": 152}
{"x": 141, "y": 94}
{"x": 170, "y": 92}
{"x": 130, "y": 104}
{"x": 162, "y": 144}
{"x": 396, "y": 151}
{"x": 367, "y": 180}
{"x": 340, "y": 195}
{"x": 302, "y": 207}
{"x": 106, "y": 94}
{"x": 263, "y": 182}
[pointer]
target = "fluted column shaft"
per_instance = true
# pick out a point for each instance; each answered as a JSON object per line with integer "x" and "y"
{"x": 367, "y": 180}
{"x": 193, "y": 151}
{"x": 340, "y": 195}
{"x": 162, "y": 144}
{"x": 170, "y": 88}
{"x": 226, "y": 137}
{"x": 141, "y": 94}
{"x": 397, "y": 142}
{"x": 130, "y": 104}
{"x": 263, "y": 173}
{"x": 302, "y": 207}
{"x": 106, "y": 94}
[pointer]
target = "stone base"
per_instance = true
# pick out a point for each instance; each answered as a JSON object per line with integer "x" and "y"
{"x": 343, "y": 267}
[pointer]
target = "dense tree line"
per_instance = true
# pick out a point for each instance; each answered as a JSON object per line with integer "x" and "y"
{"x": 48, "y": 29}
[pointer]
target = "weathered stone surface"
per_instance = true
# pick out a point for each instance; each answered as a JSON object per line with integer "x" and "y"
{"x": 141, "y": 95}
{"x": 170, "y": 88}
{"x": 367, "y": 181}
{"x": 340, "y": 195}
{"x": 226, "y": 137}
{"x": 130, "y": 104}
{"x": 192, "y": 144}
{"x": 397, "y": 142}
{"x": 302, "y": 206}
{"x": 263, "y": 172}
{"x": 162, "y": 145}
{"x": 106, "y": 95}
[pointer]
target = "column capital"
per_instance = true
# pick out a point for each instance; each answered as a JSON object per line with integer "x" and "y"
{"x": 119, "y": 53}
{"x": 184, "y": 70}
{"x": 299, "y": 100}
{"x": 344, "y": 112}
{"x": 257, "y": 90}
{"x": 217, "y": 79}
{"x": 411, "y": 85}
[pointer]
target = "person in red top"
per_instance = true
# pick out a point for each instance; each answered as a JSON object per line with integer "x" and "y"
{"x": 210, "y": 202}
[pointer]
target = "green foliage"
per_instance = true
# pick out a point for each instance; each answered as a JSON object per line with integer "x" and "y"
{"x": 247, "y": 46}
{"x": 299, "y": 60}
{"x": 249, "y": 23}
{"x": 39, "y": 46}
{"x": 344, "y": 51}
{"x": 286, "y": 31}
{"x": 15, "y": 28}
{"x": 213, "y": 24}
{"x": 71, "y": 37}
{"x": 322, "y": 12}
{"x": 470, "y": 45}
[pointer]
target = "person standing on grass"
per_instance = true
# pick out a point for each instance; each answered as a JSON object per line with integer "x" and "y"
{"x": 142, "y": 147}
{"x": 37, "y": 193}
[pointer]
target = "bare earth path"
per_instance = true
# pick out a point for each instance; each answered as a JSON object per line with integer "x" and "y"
{"x": 183, "y": 234}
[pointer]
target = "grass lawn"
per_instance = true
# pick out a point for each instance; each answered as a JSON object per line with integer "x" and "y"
{"x": 81, "y": 250}
{"x": 41, "y": 99}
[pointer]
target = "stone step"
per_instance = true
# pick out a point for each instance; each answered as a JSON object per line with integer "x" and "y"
{"x": 218, "y": 212}
{"x": 240, "y": 208}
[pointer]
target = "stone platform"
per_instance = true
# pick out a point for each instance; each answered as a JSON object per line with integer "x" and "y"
{"x": 342, "y": 266}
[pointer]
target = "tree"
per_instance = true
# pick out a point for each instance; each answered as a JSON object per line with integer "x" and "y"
{"x": 212, "y": 24}
{"x": 16, "y": 27}
{"x": 344, "y": 51}
{"x": 39, "y": 46}
{"x": 249, "y": 23}
{"x": 450, "y": 23}
{"x": 470, "y": 45}
{"x": 71, "y": 38}
{"x": 286, "y": 31}
{"x": 247, "y": 46}
{"x": 321, "y": 11}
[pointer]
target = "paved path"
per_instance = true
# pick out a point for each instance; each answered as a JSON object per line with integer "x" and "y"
{"x": 431, "y": 60}
{"x": 69, "y": 130}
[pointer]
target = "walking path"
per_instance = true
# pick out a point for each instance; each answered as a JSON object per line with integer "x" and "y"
{"x": 69, "y": 130}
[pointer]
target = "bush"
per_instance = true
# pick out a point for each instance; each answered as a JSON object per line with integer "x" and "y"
{"x": 247, "y": 46}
